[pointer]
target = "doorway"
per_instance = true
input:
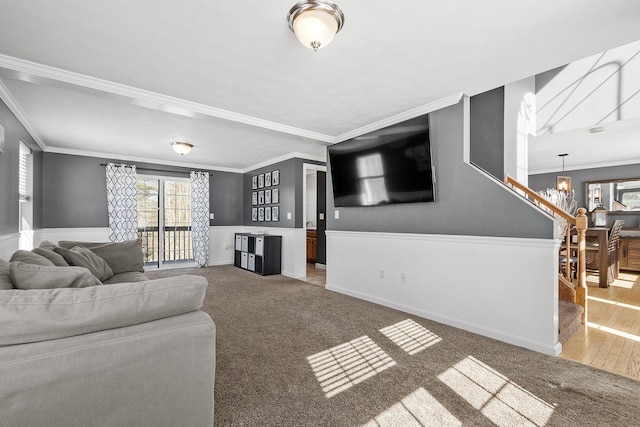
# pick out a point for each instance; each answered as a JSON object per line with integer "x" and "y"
{"x": 314, "y": 215}
{"x": 164, "y": 221}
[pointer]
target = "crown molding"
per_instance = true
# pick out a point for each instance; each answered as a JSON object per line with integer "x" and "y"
{"x": 406, "y": 115}
{"x": 159, "y": 162}
{"x": 288, "y": 156}
{"x": 626, "y": 162}
{"x": 146, "y": 96}
{"x": 15, "y": 108}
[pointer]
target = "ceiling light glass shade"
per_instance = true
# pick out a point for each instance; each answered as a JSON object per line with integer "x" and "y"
{"x": 563, "y": 183}
{"x": 315, "y": 22}
{"x": 181, "y": 148}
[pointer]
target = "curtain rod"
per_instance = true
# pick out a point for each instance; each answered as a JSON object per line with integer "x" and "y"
{"x": 154, "y": 169}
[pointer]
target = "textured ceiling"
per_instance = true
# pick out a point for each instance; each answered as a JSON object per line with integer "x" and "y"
{"x": 126, "y": 78}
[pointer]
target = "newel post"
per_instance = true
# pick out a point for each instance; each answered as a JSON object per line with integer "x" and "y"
{"x": 581, "y": 289}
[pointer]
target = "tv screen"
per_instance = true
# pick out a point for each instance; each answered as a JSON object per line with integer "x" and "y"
{"x": 387, "y": 166}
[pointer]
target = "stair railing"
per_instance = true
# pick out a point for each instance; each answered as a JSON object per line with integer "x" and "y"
{"x": 580, "y": 222}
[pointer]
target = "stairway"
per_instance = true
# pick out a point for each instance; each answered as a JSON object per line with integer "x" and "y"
{"x": 569, "y": 319}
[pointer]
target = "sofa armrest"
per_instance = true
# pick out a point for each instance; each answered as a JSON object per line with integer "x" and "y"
{"x": 45, "y": 314}
{"x": 158, "y": 374}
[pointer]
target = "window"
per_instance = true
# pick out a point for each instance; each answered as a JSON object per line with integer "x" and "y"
{"x": 164, "y": 219}
{"x": 25, "y": 189}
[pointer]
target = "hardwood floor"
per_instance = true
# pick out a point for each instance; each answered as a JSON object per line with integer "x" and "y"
{"x": 315, "y": 275}
{"x": 611, "y": 338}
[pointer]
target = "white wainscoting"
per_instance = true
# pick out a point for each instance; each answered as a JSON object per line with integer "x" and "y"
{"x": 222, "y": 240}
{"x": 503, "y": 288}
{"x": 93, "y": 234}
{"x": 9, "y": 243}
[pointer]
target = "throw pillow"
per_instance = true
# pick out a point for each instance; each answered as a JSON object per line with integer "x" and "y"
{"x": 31, "y": 276}
{"x": 5, "y": 279}
{"x": 121, "y": 256}
{"x": 29, "y": 257}
{"x": 49, "y": 254}
{"x": 83, "y": 257}
{"x": 46, "y": 244}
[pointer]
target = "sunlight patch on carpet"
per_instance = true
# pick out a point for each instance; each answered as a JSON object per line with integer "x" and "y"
{"x": 410, "y": 336}
{"x": 502, "y": 401}
{"x": 418, "y": 409}
{"x": 348, "y": 364}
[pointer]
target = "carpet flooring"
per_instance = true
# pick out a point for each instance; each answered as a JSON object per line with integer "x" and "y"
{"x": 294, "y": 354}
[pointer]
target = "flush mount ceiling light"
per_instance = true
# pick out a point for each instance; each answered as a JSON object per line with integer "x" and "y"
{"x": 315, "y": 22}
{"x": 181, "y": 148}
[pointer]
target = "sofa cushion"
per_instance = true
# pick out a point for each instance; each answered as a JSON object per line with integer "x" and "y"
{"x": 31, "y": 276}
{"x": 121, "y": 256}
{"x": 128, "y": 277}
{"x": 49, "y": 254}
{"x": 46, "y": 314}
{"x": 83, "y": 257}
{"x": 29, "y": 257}
{"x": 5, "y": 279}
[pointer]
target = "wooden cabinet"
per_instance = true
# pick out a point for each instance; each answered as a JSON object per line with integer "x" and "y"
{"x": 630, "y": 253}
{"x": 312, "y": 243}
{"x": 259, "y": 253}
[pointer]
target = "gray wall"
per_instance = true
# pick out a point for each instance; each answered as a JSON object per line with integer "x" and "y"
{"x": 578, "y": 184}
{"x": 74, "y": 191}
{"x": 467, "y": 202}
{"x": 9, "y": 163}
{"x": 291, "y": 193}
{"x": 487, "y": 131}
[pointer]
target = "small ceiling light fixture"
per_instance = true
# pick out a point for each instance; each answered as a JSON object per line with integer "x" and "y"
{"x": 315, "y": 22}
{"x": 563, "y": 183}
{"x": 181, "y": 148}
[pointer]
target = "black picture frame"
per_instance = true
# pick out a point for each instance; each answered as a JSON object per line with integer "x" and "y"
{"x": 267, "y": 179}
{"x": 267, "y": 214}
{"x": 275, "y": 196}
{"x": 267, "y": 197}
{"x": 254, "y": 182}
{"x": 275, "y": 214}
{"x": 260, "y": 214}
{"x": 261, "y": 180}
{"x": 254, "y": 214}
{"x": 254, "y": 198}
{"x": 275, "y": 177}
{"x": 261, "y": 197}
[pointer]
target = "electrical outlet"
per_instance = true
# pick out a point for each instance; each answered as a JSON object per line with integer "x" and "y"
{"x": 381, "y": 273}
{"x": 403, "y": 277}
{"x": 336, "y": 214}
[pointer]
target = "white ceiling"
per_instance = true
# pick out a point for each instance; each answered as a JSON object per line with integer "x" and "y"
{"x": 124, "y": 79}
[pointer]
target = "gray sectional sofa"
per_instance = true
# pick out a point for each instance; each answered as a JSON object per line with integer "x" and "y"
{"x": 86, "y": 339}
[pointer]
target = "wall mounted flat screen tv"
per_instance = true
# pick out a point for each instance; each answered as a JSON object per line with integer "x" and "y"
{"x": 387, "y": 166}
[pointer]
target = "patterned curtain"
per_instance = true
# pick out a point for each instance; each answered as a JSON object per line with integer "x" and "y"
{"x": 121, "y": 202}
{"x": 200, "y": 217}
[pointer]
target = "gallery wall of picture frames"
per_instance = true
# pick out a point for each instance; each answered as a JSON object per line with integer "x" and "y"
{"x": 265, "y": 197}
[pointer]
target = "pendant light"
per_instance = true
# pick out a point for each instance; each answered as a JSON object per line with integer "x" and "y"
{"x": 563, "y": 183}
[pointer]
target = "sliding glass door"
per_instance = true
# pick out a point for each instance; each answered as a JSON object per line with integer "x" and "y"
{"x": 164, "y": 220}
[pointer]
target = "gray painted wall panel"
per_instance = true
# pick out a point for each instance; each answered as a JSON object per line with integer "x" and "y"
{"x": 467, "y": 201}
{"x": 291, "y": 192}
{"x": 74, "y": 191}
{"x": 487, "y": 131}
{"x": 579, "y": 178}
